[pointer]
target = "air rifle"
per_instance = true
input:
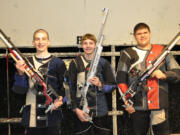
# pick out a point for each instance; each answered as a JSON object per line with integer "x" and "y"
{"x": 93, "y": 65}
{"x": 29, "y": 70}
{"x": 142, "y": 76}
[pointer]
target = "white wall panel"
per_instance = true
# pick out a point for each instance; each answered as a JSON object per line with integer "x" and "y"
{"x": 66, "y": 19}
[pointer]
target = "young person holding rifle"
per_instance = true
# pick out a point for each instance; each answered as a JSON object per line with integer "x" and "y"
{"x": 149, "y": 97}
{"x": 37, "y": 119}
{"x": 103, "y": 82}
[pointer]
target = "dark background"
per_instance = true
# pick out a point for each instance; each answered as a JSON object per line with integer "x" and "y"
{"x": 7, "y": 68}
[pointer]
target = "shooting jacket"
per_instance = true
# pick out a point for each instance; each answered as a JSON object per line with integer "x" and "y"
{"x": 33, "y": 114}
{"x": 153, "y": 94}
{"x": 96, "y": 98}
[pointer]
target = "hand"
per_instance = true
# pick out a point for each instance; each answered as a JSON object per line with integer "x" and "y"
{"x": 130, "y": 109}
{"x": 81, "y": 115}
{"x": 158, "y": 74}
{"x": 95, "y": 81}
{"x": 20, "y": 64}
{"x": 58, "y": 102}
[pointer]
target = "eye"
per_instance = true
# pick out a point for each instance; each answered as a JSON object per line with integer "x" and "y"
{"x": 138, "y": 34}
{"x": 91, "y": 43}
{"x": 36, "y": 39}
{"x": 44, "y": 38}
{"x": 145, "y": 32}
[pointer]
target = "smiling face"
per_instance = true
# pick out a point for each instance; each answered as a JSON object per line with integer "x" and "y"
{"x": 88, "y": 46}
{"x": 142, "y": 37}
{"x": 41, "y": 41}
{"x": 88, "y": 43}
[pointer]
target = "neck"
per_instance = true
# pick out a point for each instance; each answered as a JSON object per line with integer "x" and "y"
{"x": 88, "y": 56}
{"x": 44, "y": 54}
{"x": 146, "y": 47}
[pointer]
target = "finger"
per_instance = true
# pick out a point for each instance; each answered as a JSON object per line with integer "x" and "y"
{"x": 153, "y": 74}
{"x": 20, "y": 62}
{"x": 127, "y": 108}
{"x": 60, "y": 98}
{"x": 90, "y": 80}
{"x": 83, "y": 119}
{"x": 85, "y": 114}
{"x": 132, "y": 111}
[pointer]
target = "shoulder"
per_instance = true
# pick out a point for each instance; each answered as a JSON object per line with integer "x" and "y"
{"x": 103, "y": 60}
{"x": 157, "y": 46}
{"x": 157, "y": 49}
{"x": 73, "y": 64}
{"x": 57, "y": 60}
{"x": 104, "y": 63}
{"x": 128, "y": 49}
{"x": 78, "y": 58}
{"x": 57, "y": 64}
{"x": 77, "y": 61}
{"x": 129, "y": 52}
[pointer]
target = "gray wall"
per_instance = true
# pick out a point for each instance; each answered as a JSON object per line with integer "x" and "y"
{"x": 66, "y": 19}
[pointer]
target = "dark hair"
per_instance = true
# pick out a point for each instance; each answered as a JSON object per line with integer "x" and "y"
{"x": 40, "y": 30}
{"x": 89, "y": 36}
{"x": 140, "y": 26}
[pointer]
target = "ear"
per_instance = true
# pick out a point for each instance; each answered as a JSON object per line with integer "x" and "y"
{"x": 33, "y": 43}
{"x": 134, "y": 36}
{"x": 48, "y": 42}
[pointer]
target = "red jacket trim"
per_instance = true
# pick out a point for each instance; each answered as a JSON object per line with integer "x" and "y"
{"x": 153, "y": 83}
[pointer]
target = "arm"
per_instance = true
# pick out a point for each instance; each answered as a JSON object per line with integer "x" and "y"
{"x": 106, "y": 81}
{"x": 173, "y": 69}
{"x": 122, "y": 77}
{"x": 109, "y": 82}
{"x": 171, "y": 73}
{"x": 60, "y": 72}
{"x": 20, "y": 85}
{"x": 72, "y": 73}
{"x": 122, "y": 71}
{"x": 73, "y": 87}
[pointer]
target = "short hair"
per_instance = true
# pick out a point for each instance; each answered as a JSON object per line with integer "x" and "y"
{"x": 88, "y": 36}
{"x": 40, "y": 30}
{"x": 140, "y": 26}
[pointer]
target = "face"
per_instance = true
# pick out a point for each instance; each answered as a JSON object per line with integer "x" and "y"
{"x": 41, "y": 41}
{"x": 142, "y": 37}
{"x": 88, "y": 46}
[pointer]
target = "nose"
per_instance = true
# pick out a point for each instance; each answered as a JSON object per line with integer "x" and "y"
{"x": 88, "y": 44}
{"x": 40, "y": 40}
{"x": 142, "y": 35}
